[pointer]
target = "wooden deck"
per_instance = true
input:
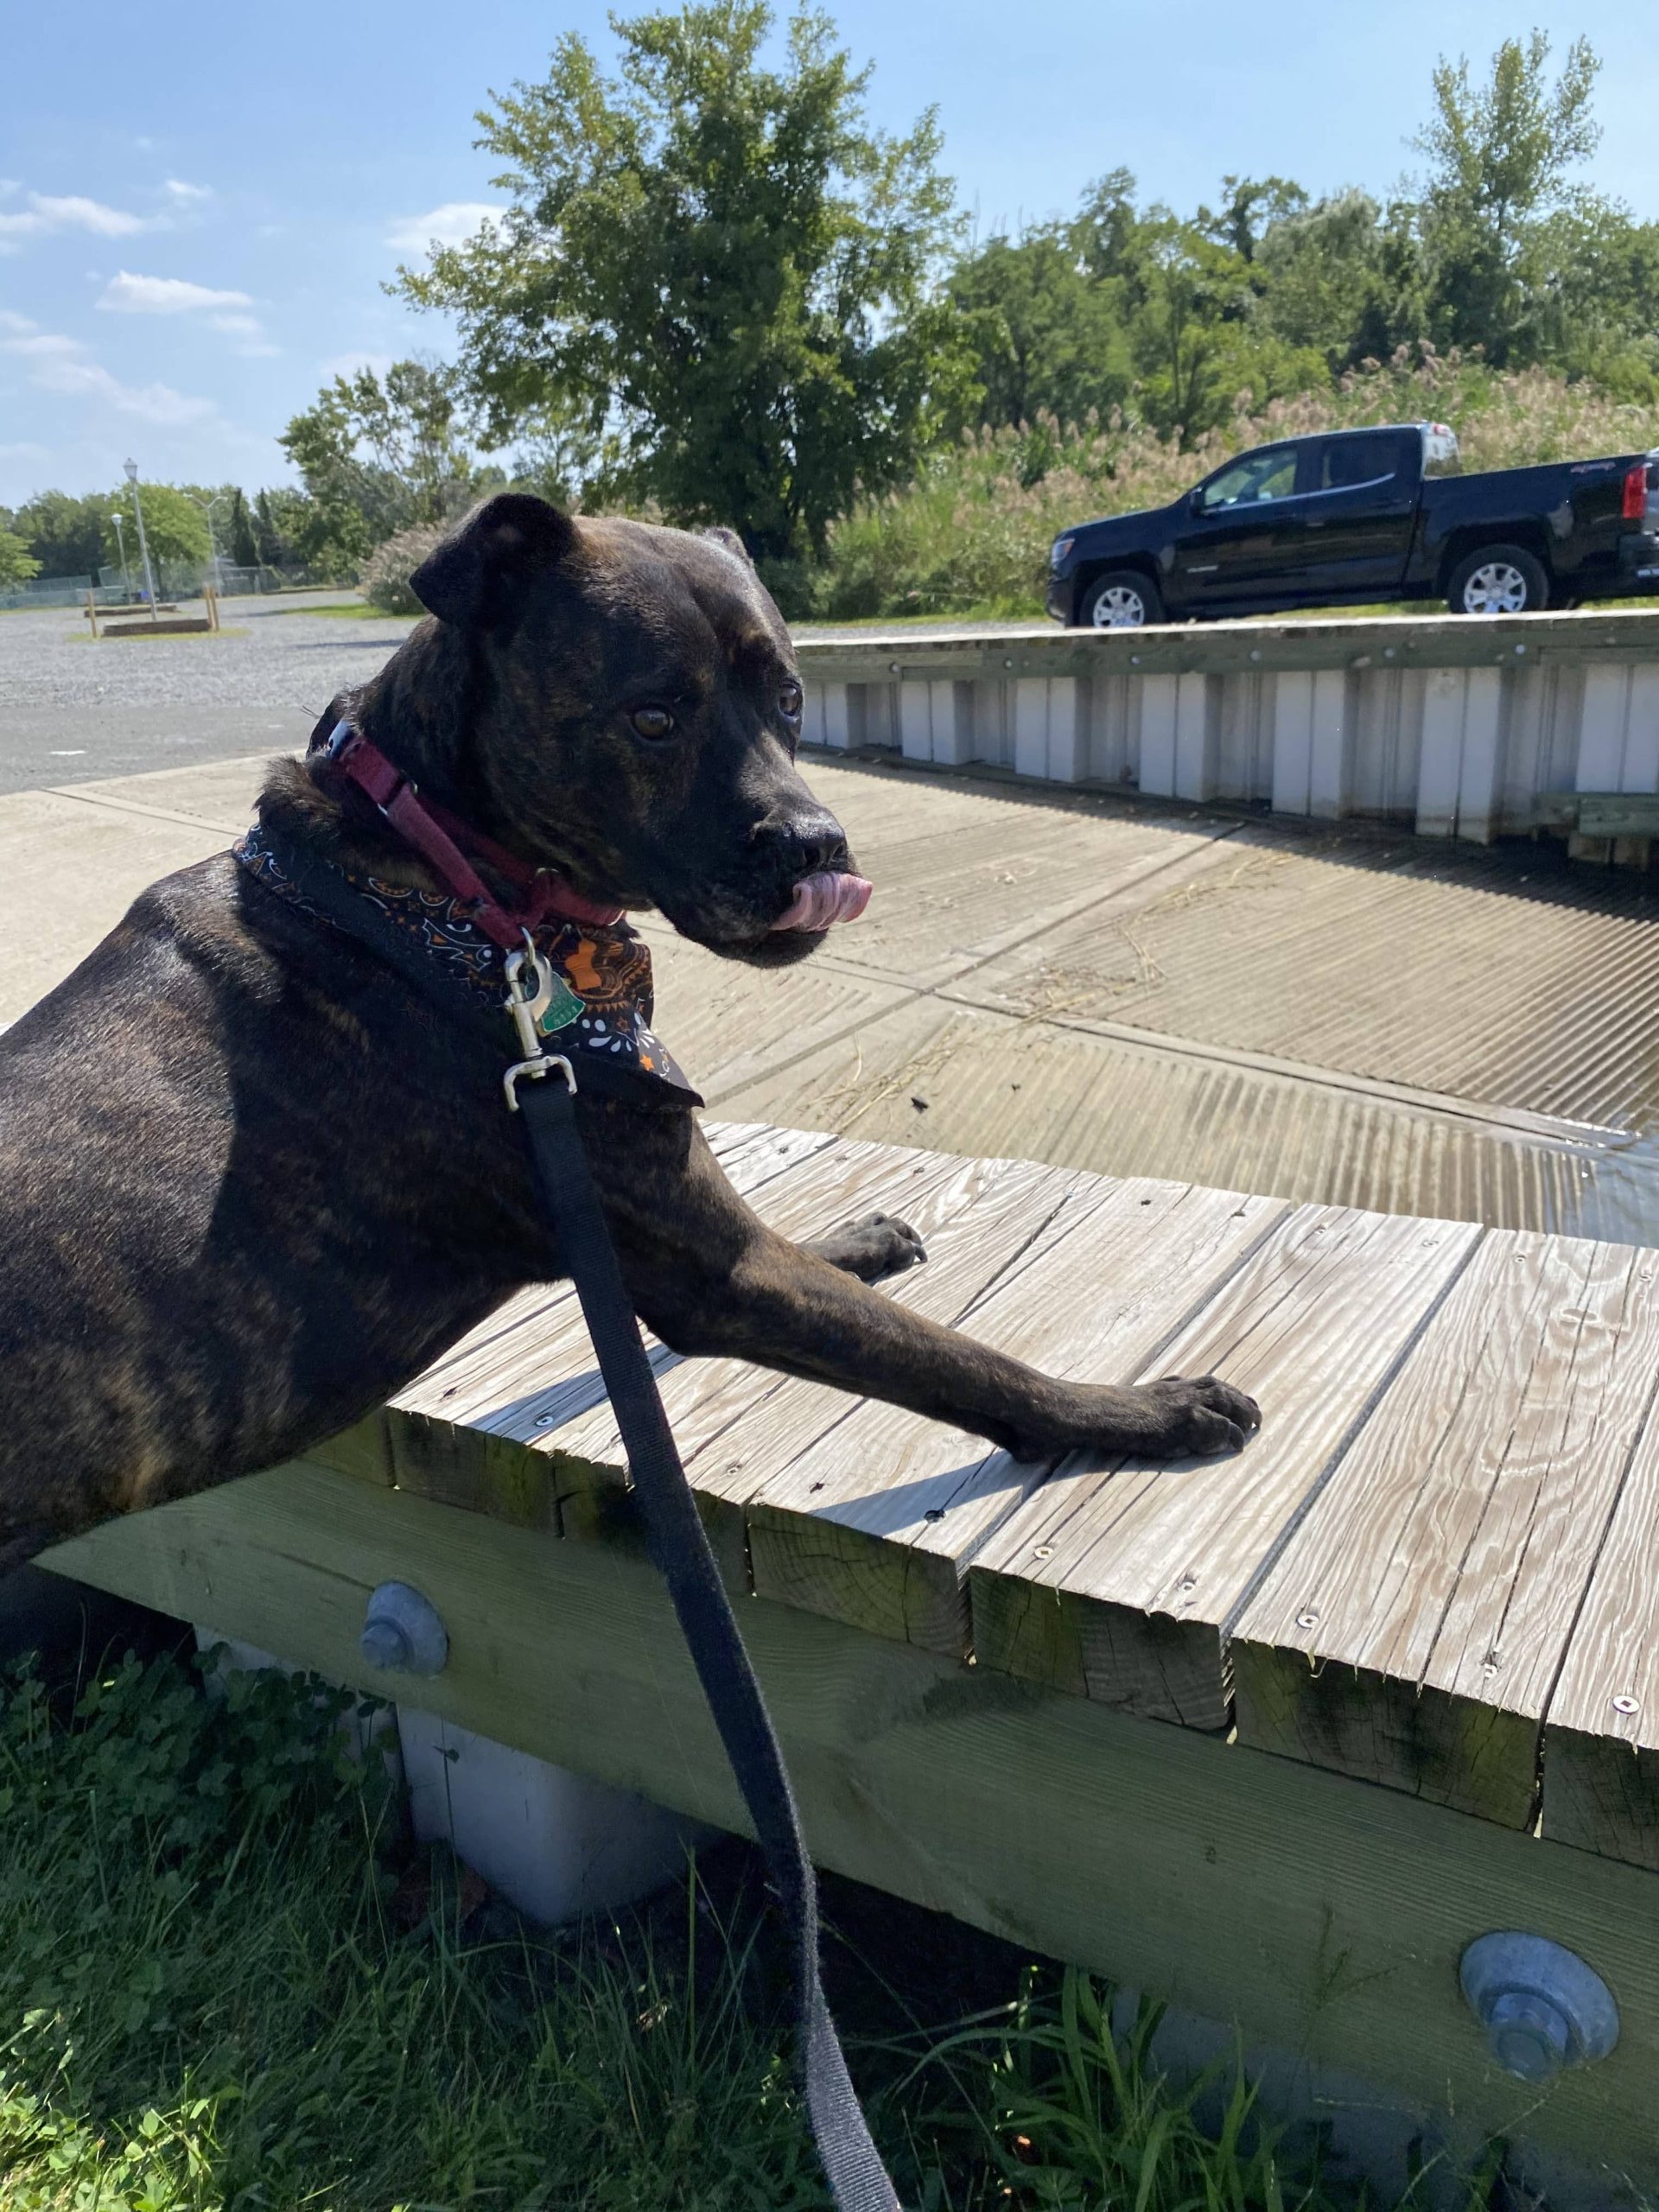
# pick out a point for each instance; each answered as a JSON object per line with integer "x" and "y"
{"x": 1431, "y": 1571}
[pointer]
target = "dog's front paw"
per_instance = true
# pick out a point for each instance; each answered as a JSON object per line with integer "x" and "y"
{"x": 1202, "y": 1414}
{"x": 876, "y": 1246}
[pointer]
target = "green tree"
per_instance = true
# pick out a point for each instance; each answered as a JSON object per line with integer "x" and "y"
{"x": 1048, "y": 338}
{"x": 1501, "y": 155}
{"x": 377, "y": 455}
{"x": 65, "y": 535}
{"x": 244, "y": 549}
{"x": 18, "y": 564}
{"x": 723, "y": 264}
{"x": 279, "y": 518}
{"x": 176, "y": 528}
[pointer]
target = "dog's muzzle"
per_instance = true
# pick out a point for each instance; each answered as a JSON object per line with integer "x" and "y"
{"x": 820, "y": 901}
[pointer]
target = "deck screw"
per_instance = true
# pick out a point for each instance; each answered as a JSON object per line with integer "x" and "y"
{"x": 1256, "y": 652}
{"x": 1388, "y": 652}
{"x": 1627, "y": 1705}
{"x": 547, "y": 1420}
{"x": 1307, "y": 1620}
{"x": 1134, "y": 660}
{"x": 894, "y": 666}
{"x": 1043, "y": 1551}
{"x": 1520, "y": 649}
{"x": 1187, "y": 1582}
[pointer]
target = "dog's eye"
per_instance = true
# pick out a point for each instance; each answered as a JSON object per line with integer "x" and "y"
{"x": 653, "y": 722}
{"x": 790, "y": 701}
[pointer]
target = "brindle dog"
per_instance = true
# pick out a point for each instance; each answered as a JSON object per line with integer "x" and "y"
{"x": 253, "y": 1182}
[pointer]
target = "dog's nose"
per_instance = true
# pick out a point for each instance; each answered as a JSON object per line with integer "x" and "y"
{"x": 806, "y": 844}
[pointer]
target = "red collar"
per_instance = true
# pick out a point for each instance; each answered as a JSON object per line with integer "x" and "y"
{"x": 444, "y": 841}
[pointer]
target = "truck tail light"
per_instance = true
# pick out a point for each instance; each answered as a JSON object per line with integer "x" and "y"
{"x": 1636, "y": 492}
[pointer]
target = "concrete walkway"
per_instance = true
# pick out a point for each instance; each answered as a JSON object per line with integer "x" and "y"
{"x": 1335, "y": 1014}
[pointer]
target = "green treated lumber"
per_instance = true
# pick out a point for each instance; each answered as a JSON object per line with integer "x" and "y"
{"x": 1325, "y": 1914}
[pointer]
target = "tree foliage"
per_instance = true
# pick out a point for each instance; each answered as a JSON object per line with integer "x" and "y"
{"x": 18, "y": 564}
{"x": 176, "y": 528}
{"x": 376, "y": 455}
{"x": 721, "y": 264}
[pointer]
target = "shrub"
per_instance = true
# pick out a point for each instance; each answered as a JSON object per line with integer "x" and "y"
{"x": 384, "y": 582}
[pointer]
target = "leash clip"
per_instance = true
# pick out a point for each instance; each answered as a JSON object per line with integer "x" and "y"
{"x": 530, "y": 994}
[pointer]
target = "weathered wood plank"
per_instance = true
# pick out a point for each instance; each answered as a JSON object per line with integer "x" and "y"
{"x": 975, "y": 1217}
{"x": 1326, "y": 1917}
{"x": 872, "y": 1520}
{"x": 1601, "y": 1734}
{"x": 461, "y": 1431}
{"x": 1116, "y": 1582}
{"x": 1412, "y": 1629}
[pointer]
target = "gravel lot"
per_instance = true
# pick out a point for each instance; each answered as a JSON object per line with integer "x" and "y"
{"x": 71, "y": 711}
{"x": 270, "y": 657}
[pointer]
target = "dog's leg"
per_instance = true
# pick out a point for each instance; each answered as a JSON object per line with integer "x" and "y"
{"x": 710, "y": 1278}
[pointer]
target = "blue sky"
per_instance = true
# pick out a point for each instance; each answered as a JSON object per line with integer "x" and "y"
{"x": 197, "y": 209}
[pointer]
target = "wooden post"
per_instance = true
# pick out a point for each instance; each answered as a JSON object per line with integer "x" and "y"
{"x": 91, "y": 612}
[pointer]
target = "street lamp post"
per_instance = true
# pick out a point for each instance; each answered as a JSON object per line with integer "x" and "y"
{"x": 118, "y": 518}
{"x": 131, "y": 468}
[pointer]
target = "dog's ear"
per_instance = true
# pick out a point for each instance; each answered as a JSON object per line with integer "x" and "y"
{"x": 474, "y": 579}
{"x": 723, "y": 536}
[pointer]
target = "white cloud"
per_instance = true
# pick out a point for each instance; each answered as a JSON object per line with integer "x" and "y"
{"x": 9, "y": 321}
{"x": 71, "y": 211}
{"x": 181, "y": 190}
{"x": 60, "y": 364}
{"x": 126, "y": 294}
{"x": 452, "y": 224}
{"x": 74, "y": 211}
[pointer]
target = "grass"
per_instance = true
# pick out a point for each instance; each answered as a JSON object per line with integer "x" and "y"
{"x": 355, "y": 611}
{"x": 228, "y": 1986}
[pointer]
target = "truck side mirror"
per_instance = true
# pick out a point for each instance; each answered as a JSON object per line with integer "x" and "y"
{"x": 1195, "y": 499}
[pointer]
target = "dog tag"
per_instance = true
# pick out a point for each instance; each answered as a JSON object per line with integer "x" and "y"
{"x": 561, "y": 1008}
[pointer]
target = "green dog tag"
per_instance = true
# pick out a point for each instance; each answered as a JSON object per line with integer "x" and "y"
{"x": 562, "y": 1008}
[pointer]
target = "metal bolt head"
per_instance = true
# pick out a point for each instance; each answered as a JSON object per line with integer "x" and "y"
{"x": 1042, "y": 1551}
{"x": 1307, "y": 1620}
{"x": 403, "y": 1632}
{"x": 1541, "y": 2006}
{"x": 1528, "y": 2036}
{"x": 1627, "y": 1705}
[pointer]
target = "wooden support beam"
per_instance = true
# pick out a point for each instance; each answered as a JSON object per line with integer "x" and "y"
{"x": 1326, "y": 1916}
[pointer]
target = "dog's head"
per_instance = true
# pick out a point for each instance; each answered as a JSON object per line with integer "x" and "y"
{"x": 632, "y": 708}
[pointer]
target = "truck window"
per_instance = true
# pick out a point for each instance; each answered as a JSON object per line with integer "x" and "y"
{"x": 1349, "y": 462}
{"x": 1269, "y": 474}
{"x": 1440, "y": 454}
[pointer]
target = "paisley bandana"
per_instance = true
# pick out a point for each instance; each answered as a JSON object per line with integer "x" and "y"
{"x": 601, "y": 1004}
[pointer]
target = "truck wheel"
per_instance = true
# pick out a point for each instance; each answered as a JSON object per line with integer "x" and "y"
{"x": 1121, "y": 599}
{"x": 1499, "y": 580}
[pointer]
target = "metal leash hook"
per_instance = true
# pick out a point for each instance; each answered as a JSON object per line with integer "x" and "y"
{"x": 530, "y": 994}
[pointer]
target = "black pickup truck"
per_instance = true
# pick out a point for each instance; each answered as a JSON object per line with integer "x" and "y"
{"x": 1352, "y": 516}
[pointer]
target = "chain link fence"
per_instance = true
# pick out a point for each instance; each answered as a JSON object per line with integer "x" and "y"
{"x": 112, "y": 587}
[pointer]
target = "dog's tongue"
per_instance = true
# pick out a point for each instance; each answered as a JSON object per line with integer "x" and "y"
{"x": 820, "y": 901}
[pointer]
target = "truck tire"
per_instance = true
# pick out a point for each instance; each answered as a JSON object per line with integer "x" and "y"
{"x": 1121, "y": 599}
{"x": 1499, "y": 580}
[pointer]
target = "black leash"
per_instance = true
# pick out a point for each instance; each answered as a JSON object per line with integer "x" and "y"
{"x": 678, "y": 1544}
{"x": 540, "y": 1086}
